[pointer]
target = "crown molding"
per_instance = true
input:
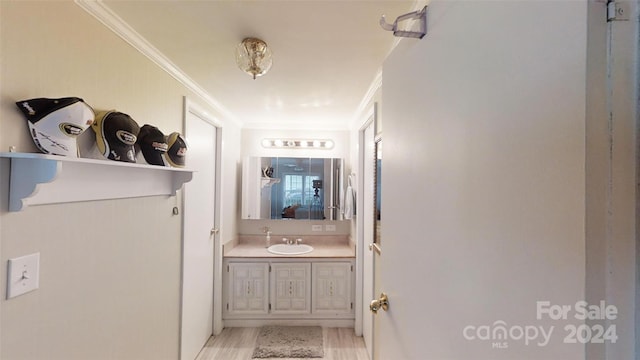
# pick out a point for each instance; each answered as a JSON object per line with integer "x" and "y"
{"x": 363, "y": 111}
{"x": 113, "y": 22}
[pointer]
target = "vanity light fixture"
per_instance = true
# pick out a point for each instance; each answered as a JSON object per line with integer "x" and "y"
{"x": 253, "y": 56}
{"x": 298, "y": 143}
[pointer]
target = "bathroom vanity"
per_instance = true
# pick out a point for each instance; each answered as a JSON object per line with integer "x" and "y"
{"x": 311, "y": 288}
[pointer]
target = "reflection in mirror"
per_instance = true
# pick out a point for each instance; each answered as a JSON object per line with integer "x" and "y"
{"x": 291, "y": 188}
{"x": 377, "y": 192}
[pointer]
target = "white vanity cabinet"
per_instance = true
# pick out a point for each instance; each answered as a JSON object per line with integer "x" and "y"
{"x": 332, "y": 288}
{"x": 290, "y": 288}
{"x": 248, "y": 288}
{"x": 258, "y": 290}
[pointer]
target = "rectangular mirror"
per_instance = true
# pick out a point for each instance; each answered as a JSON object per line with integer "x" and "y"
{"x": 291, "y": 188}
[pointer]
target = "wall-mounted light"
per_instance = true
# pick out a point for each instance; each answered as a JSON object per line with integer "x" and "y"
{"x": 253, "y": 56}
{"x": 298, "y": 143}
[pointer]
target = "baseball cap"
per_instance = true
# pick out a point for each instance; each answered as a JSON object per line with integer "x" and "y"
{"x": 153, "y": 145}
{"x": 54, "y": 124}
{"x": 177, "y": 151}
{"x": 116, "y": 134}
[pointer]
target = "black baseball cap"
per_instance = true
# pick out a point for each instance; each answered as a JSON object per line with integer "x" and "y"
{"x": 153, "y": 145}
{"x": 176, "y": 154}
{"x": 116, "y": 134}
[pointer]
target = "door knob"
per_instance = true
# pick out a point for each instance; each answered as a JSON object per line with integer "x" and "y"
{"x": 383, "y": 303}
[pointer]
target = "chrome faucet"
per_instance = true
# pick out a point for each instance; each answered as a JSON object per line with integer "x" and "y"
{"x": 291, "y": 242}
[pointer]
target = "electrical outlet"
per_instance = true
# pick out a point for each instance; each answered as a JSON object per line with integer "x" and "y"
{"x": 330, "y": 227}
{"x": 316, "y": 227}
{"x": 23, "y": 275}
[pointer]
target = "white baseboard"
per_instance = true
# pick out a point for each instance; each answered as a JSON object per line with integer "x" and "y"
{"x": 344, "y": 323}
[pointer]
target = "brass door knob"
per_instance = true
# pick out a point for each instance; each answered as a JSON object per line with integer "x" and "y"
{"x": 383, "y": 303}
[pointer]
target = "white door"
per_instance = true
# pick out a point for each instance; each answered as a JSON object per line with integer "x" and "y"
{"x": 483, "y": 206}
{"x": 198, "y": 235}
{"x": 366, "y": 214}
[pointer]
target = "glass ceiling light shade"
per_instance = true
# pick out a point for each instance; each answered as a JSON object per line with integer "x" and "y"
{"x": 253, "y": 56}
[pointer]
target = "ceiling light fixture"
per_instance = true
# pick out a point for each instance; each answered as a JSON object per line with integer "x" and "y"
{"x": 253, "y": 56}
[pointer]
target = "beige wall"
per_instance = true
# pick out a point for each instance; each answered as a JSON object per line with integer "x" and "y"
{"x": 110, "y": 270}
{"x": 231, "y": 183}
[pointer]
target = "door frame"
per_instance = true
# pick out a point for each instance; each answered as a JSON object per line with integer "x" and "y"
{"x": 190, "y": 107}
{"x": 362, "y": 298}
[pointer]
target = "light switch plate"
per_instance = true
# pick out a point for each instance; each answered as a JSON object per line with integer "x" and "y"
{"x": 316, "y": 227}
{"x": 23, "y": 274}
{"x": 331, "y": 227}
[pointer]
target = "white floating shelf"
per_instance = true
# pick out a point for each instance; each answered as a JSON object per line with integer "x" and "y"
{"x": 266, "y": 181}
{"x": 39, "y": 179}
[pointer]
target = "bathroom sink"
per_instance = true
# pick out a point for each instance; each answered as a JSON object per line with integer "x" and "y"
{"x": 284, "y": 249}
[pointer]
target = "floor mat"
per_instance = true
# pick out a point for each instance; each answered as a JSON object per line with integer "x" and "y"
{"x": 289, "y": 342}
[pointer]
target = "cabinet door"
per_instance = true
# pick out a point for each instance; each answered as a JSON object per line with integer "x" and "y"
{"x": 248, "y": 288}
{"x": 332, "y": 288}
{"x": 290, "y": 288}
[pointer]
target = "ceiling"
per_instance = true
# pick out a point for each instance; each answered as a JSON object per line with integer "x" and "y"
{"x": 326, "y": 54}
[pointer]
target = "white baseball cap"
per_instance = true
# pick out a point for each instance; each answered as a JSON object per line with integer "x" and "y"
{"x": 55, "y": 124}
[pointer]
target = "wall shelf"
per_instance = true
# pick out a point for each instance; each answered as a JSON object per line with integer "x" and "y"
{"x": 267, "y": 181}
{"x": 39, "y": 179}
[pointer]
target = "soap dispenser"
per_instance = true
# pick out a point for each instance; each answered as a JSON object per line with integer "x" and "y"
{"x": 267, "y": 231}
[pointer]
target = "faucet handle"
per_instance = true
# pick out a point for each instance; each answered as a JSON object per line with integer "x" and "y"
{"x": 298, "y": 241}
{"x": 285, "y": 240}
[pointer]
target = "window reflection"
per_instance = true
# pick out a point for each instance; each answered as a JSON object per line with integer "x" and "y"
{"x": 291, "y": 188}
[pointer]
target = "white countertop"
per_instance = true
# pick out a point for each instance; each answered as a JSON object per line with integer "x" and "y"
{"x": 255, "y": 247}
